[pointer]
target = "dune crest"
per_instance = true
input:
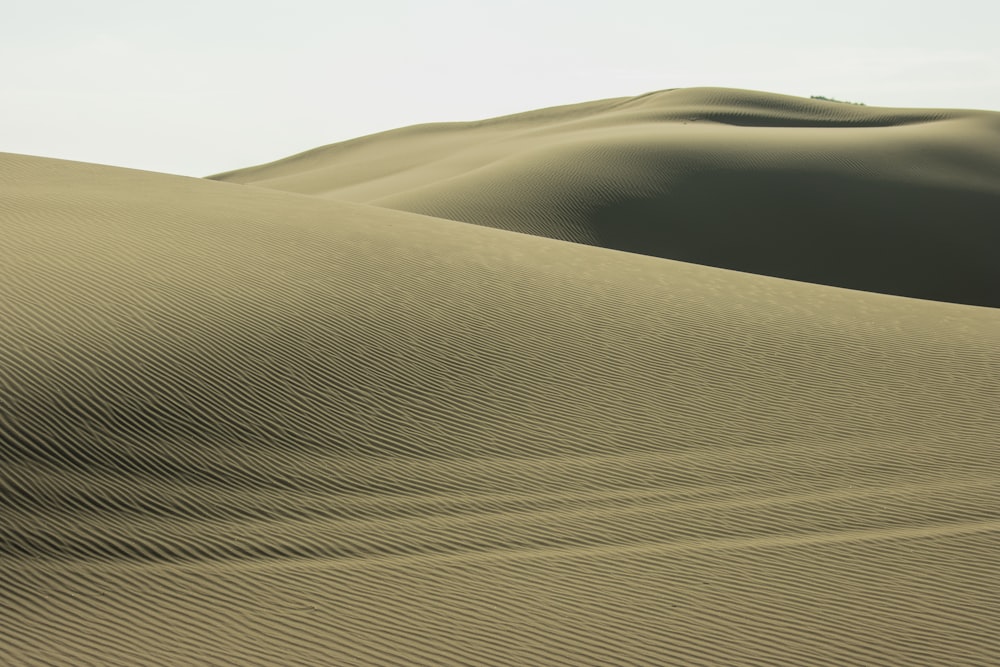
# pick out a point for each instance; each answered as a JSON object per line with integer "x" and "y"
{"x": 897, "y": 201}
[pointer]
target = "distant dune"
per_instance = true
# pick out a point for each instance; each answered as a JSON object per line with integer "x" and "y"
{"x": 898, "y": 201}
{"x": 273, "y": 426}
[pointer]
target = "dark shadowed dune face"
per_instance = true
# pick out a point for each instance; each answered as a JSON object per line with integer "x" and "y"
{"x": 882, "y": 237}
{"x": 903, "y": 202}
{"x": 247, "y": 426}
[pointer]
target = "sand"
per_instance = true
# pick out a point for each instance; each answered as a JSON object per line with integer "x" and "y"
{"x": 896, "y": 201}
{"x": 268, "y": 425}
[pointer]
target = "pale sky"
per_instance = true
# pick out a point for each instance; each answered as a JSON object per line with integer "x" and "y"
{"x": 196, "y": 88}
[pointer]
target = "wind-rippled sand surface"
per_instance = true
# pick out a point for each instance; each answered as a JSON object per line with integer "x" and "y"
{"x": 247, "y": 426}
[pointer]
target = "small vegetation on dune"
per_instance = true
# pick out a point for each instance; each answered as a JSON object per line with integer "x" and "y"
{"x": 830, "y": 99}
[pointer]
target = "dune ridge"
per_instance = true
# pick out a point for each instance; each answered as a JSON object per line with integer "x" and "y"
{"x": 897, "y": 201}
{"x": 250, "y": 427}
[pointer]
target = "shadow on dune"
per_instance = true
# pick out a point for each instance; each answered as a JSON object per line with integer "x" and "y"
{"x": 931, "y": 242}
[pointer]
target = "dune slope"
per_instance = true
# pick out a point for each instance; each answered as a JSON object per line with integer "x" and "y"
{"x": 249, "y": 427}
{"x": 897, "y": 201}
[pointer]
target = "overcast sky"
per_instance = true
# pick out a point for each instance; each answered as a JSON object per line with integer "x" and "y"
{"x": 200, "y": 87}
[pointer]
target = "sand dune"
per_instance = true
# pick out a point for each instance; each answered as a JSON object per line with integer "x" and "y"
{"x": 895, "y": 201}
{"x": 247, "y": 426}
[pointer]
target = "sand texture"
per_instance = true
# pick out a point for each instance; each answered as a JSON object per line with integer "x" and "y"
{"x": 246, "y": 426}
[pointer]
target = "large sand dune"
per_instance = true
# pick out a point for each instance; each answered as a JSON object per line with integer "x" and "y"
{"x": 245, "y": 426}
{"x": 895, "y": 201}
